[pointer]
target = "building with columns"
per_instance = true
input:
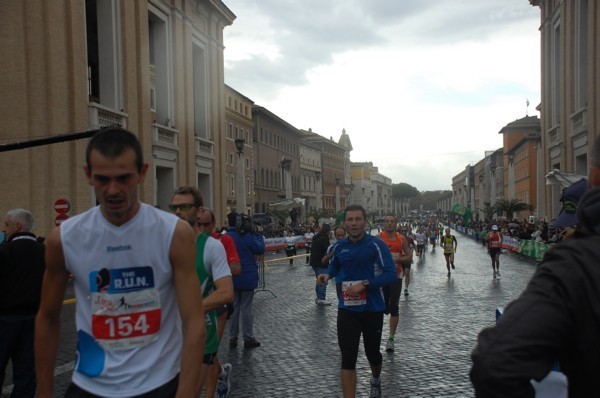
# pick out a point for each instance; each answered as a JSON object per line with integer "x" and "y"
{"x": 570, "y": 104}
{"x": 154, "y": 67}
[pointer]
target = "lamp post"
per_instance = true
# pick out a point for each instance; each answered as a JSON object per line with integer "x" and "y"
{"x": 318, "y": 191}
{"x": 240, "y": 178}
{"x": 286, "y": 165}
{"x": 511, "y": 175}
{"x": 337, "y": 195}
{"x": 481, "y": 212}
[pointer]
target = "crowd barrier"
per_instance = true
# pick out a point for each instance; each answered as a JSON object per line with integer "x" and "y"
{"x": 528, "y": 248}
{"x": 273, "y": 244}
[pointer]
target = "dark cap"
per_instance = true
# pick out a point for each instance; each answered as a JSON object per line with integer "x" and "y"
{"x": 569, "y": 199}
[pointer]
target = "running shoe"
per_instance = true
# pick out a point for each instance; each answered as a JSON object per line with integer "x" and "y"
{"x": 323, "y": 302}
{"x": 498, "y": 272}
{"x": 494, "y": 274}
{"x": 224, "y": 383}
{"x": 406, "y": 292}
{"x": 452, "y": 265}
{"x": 252, "y": 343}
{"x": 449, "y": 274}
{"x": 389, "y": 347}
{"x": 375, "y": 390}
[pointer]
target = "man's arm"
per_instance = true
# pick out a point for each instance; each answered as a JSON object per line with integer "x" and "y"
{"x": 528, "y": 337}
{"x": 408, "y": 254}
{"x": 47, "y": 323}
{"x": 216, "y": 258}
{"x": 189, "y": 300}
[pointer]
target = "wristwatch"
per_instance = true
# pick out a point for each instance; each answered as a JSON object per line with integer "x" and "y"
{"x": 365, "y": 283}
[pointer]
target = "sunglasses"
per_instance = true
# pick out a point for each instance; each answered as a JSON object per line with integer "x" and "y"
{"x": 204, "y": 224}
{"x": 182, "y": 207}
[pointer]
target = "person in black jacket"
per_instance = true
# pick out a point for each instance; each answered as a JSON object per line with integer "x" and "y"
{"x": 555, "y": 320}
{"x": 21, "y": 272}
{"x": 320, "y": 243}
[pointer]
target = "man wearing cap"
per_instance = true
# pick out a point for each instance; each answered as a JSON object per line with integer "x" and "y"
{"x": 494, "y": 241}
{"x": 567, "y": 217}
{"x": 556, "y": 319}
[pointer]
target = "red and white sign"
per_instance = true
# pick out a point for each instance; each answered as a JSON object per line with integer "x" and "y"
{"x": 60, "y": 218}
{"x": 62, "y": 206}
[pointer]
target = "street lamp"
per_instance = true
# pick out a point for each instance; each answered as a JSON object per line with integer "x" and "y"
{"x": 318, "y": 191}
{"x": 337, "y": 195}
{"x": 286, "y": 165}
{"x": 241, "y": 179}
{"x": 511, "y": 158}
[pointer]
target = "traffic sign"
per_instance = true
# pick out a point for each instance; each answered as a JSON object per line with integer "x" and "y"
{"x": 62, "y": 206}
{"x": 60, "y": 218}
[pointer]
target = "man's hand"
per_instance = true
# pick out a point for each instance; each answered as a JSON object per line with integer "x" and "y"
{"x": 322, "y": 279}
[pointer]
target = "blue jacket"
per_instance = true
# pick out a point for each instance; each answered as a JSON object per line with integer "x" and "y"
{"x": 248, "y": 246}
{"x": 368, "y": 259}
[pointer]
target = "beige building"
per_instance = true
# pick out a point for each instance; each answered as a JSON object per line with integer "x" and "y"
{"x": 277, "y": 159}
{"x": 154, "y": 67}
{"x": 570, "y": 105}
{"x": 335, "y": 177}
{"x": 239, "y": 152}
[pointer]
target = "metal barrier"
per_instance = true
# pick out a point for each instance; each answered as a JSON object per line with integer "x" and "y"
{"x": 263, "y": 267}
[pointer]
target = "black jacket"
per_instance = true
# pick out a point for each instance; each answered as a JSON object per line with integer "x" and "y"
{"x": 557, "y": 318}
{"x": 318, "y": 250}
{"x": 21, "y": 272}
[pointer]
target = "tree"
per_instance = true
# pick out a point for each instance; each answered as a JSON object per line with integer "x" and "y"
{"x": 511, "y": 206}
{"x": 404, "y": 190}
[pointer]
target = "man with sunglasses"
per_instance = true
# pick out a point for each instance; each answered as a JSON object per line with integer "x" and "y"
{"x": 211, "y": 267}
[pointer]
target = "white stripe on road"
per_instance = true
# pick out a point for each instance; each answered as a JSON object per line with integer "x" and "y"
{"x": 58, "y": 371}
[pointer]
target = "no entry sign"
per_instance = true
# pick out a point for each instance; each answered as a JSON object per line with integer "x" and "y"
{"x": 60, "y": 218}
{"x": 62, "y": 206}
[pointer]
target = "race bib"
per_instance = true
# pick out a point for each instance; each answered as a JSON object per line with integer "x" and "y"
{"x": 354, "y": 299}
{"x": 126, "y": 310}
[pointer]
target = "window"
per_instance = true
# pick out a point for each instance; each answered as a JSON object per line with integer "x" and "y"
{"x": 555, "y": 75}
{"x": 158, "y": 42}
{"x": 200, "y": 90}
{"x": 581, "y": 55}
{"x": 104, "y": 60}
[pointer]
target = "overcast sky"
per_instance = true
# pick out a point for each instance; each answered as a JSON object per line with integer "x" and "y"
{"x": 422, "y": 87}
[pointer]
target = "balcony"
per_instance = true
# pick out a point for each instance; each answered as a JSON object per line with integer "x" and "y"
{"x": 102, "y": 116}
{"x": 579, "y": 122}
{"x": 205, "y": 148}
{"x": 163, "y": 136}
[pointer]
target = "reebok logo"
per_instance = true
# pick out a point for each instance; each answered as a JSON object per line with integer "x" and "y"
{"x": 119, "y": 248}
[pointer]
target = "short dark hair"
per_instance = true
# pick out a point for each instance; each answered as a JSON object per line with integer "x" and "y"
{"x": 355, "y": 208}
{"x": 112, "y": 142}
{"x": 325, "y": 228}
{"x": 195, "y": 192}
{"x": 212, "y": 214}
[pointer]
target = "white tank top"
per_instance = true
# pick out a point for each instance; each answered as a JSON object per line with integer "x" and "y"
{"x": 128, "y": 324}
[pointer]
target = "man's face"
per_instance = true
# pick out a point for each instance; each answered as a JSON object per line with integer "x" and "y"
{"x": 389, "y": 224}
{"x": 205, "y": 224}
{"x": 10, "y": 228}
{"x": 447, "y": 231}
{"x": 115, "y": 182}
{"x": 355, "y": 224}
{"x": 340, "y": 234}
{"x": 183, "y": 207}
